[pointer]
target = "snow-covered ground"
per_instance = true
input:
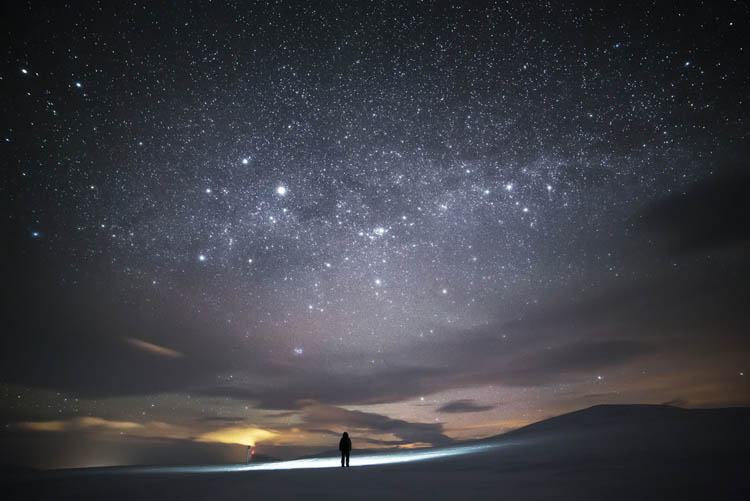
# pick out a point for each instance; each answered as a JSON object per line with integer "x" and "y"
{"x": 608, "y": 453}
{"x": 324, "y": 462}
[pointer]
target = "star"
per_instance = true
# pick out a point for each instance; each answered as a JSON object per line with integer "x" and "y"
{"x": 281, "y": 190}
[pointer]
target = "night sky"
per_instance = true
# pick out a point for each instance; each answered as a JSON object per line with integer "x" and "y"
{"x": 228, "y": 223}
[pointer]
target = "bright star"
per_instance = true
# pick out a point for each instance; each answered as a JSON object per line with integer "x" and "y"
{"x": 298, "y": 351}
{"x": 201, "y": 257}
{"x": 24, "y": 71}
{"x": 281, "y": 190}
{"x": 78, "y": 84}
{"x": 245, "y": 161}
{"x": 509, "y": 187}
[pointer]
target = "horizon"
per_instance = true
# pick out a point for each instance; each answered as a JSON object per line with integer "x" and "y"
{"x": 328, "y": 457}
{"x": 422, "y": 224}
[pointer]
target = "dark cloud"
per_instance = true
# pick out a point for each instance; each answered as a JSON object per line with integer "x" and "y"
{"x": 677, "y": 402}
{"x": 60, "y": 329}
{"x": 273, "y": 415}
{"x": 479, "y": 358}
{"x": 316, "y": 414}
{"x": 394, "y": 384}
{"x": 708, "y": 215}
{"x": 579, "y": 357}
{"x": 463, "y": 405}
{"x": 221, "y": 419}
{"x": 78, "y": 338}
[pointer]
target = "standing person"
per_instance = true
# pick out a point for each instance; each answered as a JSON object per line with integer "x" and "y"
{"x": 345, "y": 446}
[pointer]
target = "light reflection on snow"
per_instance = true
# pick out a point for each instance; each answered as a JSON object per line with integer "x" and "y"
{"x": 328, "y": 462}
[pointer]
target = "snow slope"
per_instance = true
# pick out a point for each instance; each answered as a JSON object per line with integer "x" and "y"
{"x": 604, "y": 452}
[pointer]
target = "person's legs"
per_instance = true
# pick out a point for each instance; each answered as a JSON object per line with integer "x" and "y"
{"x": 347, "y": 459}
{"x": 343, "y": 455}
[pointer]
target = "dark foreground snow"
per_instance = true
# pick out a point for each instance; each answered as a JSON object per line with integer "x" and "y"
{"x": 608, "y": 452}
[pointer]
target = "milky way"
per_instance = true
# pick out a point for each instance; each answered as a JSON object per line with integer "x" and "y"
{"x": 443, "y": 217}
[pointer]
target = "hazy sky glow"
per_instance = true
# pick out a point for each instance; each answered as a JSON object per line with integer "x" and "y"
{"x": 267, "y": 224}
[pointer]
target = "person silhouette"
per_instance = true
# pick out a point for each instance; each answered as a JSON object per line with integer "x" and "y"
{"x": 345, "y": 446}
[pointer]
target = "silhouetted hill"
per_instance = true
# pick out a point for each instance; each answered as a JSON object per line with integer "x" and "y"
{"x": 643, "y": 416}
{"x": 608, "y": 429}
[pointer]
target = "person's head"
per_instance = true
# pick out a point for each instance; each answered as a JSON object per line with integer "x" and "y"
{"x": 346, "y": 435}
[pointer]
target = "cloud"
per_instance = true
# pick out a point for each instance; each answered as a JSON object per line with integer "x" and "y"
{"x": 707, "y": 215}
{"x": 76, "y": 424}
{"x": 473, "y": 358}
{"x": 677, "y": 402}
{"x": 329, "y": 416}
{"x": 242, "y": 435}
{"x": 221, "y": 419}
{"x": 463, "y": 405}
{"x": 547, "y": 365}
{"x": 67, "y": 337}
{"x": 153, "y": 348}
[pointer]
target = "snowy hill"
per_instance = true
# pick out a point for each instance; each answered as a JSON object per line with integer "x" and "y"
{"x": 612, "y": 452}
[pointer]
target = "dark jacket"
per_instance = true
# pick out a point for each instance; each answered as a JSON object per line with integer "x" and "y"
{"x": 345, "y": 444}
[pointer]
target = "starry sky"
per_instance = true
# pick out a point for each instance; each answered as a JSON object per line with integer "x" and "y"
{"x": 237, "y": 223}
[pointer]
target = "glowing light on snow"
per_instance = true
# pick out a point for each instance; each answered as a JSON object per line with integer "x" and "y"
{"x": 329, "y": 462}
